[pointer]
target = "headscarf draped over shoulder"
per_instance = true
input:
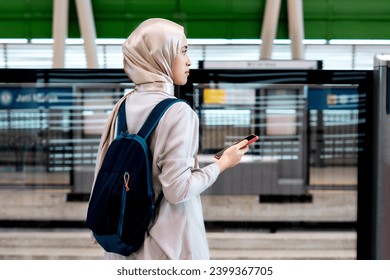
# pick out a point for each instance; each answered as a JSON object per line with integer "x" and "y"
{"x": 150, "y": 51}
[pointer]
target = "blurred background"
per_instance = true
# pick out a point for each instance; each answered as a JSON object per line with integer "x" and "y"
{"x": 300, "y": 74}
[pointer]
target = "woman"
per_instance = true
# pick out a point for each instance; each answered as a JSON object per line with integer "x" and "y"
{"x": 155, "y": 58}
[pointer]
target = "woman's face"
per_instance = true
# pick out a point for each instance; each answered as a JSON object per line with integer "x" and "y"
{"x": 181, "y": 65}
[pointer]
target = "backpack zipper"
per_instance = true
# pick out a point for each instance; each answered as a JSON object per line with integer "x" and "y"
{"x": 126, "y": 179}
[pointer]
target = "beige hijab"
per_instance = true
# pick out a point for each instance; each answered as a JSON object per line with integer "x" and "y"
{"x": 149, "y": 53}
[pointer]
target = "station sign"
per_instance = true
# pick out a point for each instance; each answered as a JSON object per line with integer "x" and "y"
{"x": 21, "y": 97}
{"x": 332, "y": 98}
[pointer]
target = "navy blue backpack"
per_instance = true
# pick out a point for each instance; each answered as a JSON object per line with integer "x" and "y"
{"x": 122, "y": 204}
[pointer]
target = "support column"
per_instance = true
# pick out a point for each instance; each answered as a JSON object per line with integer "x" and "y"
{"x": 270, "y": 24}
{"x": 59, "y": 32}
{"x": 295, "y": 25}
{"x": 88, "y": 32}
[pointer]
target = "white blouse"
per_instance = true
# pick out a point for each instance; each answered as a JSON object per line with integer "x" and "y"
{"x": 178, "y": 232}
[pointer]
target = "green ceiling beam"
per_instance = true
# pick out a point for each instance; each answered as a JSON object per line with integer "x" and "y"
{"x": 231, "y": 19}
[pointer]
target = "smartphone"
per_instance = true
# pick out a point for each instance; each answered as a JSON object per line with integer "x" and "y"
{"x": 251, "y": 138}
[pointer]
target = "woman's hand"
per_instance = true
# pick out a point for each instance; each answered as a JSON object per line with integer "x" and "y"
{"x": 232, "y": 156}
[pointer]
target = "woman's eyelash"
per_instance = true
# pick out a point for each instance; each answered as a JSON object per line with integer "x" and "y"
{"x": 184, "y": 50}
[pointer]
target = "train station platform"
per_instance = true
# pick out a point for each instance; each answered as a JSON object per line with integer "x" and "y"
{"x": 58, "y": 231}
{"x": 75, "y": 244}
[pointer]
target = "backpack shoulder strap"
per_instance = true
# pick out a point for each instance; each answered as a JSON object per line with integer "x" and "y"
{"x": 121, "y": 125}
{"x": 155, "y": 116}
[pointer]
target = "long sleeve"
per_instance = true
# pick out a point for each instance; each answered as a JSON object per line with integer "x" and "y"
{"x": 180, "y": 178}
